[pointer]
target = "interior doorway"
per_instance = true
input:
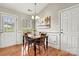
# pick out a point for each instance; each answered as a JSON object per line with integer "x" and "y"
{"x": 69, "y": 29}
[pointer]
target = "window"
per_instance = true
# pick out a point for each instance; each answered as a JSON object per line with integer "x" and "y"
{"x": 8, "y": 23}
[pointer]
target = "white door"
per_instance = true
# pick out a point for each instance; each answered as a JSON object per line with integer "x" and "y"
{"x": 70, "y": 30}
{"x": 8, "y": 38}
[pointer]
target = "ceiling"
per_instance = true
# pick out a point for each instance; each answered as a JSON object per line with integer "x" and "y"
{"x": 23, "y": 7}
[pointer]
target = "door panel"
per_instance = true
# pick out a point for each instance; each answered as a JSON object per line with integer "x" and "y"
{"x": 70, "y": 29}
{"x": 64, "y": 29}
{"x": 9, "y": 38}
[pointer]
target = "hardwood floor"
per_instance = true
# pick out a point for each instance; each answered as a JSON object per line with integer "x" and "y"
{"x": 17, "y": 51}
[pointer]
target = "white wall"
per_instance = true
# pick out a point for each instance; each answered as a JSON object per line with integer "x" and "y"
{"x": 53, "y": 10}
{"x": 20, "y": 17}
{"x": 50, "y": 10}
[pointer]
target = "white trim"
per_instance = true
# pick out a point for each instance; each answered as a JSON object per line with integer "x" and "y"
{"x": 74, "y": 6}
{"x": 5, "y": 13}
{"x": 59, "y": 17}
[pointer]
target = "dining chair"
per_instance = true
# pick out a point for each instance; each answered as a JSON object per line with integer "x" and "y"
{"x": 40, "y": 42}
{"x": 44, "y": 42}
{"x": 27, "y": 41}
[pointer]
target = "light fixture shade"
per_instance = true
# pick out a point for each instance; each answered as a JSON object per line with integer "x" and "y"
{"x": 36, "y": 17}
{"x": 32, "y": 17}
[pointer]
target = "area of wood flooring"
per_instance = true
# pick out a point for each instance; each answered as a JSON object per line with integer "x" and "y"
{"x": 17, "y": 51}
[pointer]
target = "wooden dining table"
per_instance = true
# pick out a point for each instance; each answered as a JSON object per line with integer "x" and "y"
{"x": 34, "y": 40}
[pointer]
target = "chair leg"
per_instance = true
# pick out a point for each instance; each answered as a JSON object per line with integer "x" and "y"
{"x": 28, "y": 49}
{"x": 39, "y": 49}
{"x": 44, "y": 47}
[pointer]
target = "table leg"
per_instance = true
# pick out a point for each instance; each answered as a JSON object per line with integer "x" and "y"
{"x": 34, "y": 49}
{"x": 47, "y": 44}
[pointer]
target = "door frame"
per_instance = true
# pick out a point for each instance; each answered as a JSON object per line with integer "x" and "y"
{"x": 14, "y": 16}
{"x": 59, "y": 17}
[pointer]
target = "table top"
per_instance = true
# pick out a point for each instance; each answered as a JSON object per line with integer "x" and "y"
{"x": 34, "y": 37}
